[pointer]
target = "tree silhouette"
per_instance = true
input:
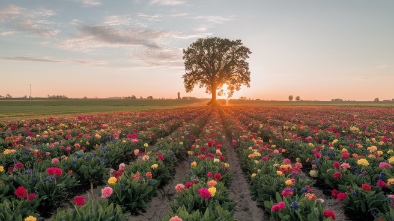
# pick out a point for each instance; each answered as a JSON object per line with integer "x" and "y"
{"x": 213, "y": 62}
{"x": 298, "y": 98}
{"x": 290, "y": 97}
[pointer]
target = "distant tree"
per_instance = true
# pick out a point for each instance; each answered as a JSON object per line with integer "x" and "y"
{"x": 133, "y": 97}
{"x": 141, "y": 97}
{"x": 85, "y": 97}
{"x": 298, "y": 98}
{"x": 149, "y": 97}
{"x": 290, "y": 97}
{"x": 213, "y": 62}
{"x": 376, "y": 100}
{"x": 8, "y": 96}
{"x": 337, "y": 100}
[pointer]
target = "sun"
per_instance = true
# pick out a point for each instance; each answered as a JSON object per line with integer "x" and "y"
{"x": 223, "y": 92}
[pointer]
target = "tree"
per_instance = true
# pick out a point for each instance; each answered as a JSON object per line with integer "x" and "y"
{"x": 290, "y": 97}
{"x": 298, "y": 98}
{"x": 213, "y": 62}
{"x": 376, "y": 100}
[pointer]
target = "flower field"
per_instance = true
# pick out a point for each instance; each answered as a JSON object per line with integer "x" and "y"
{"x": 294, "y": 160}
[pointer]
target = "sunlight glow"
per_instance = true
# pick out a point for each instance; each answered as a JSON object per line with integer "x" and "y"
{"x": 223, "y": 92}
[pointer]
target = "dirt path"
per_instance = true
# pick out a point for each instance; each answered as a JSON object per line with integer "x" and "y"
{"x": 330, "y": 203}
{"x": 160, "y": 205}
{"x": 246, "y": 209}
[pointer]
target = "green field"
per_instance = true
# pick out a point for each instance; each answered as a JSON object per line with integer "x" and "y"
{"x": 20, "y": 109}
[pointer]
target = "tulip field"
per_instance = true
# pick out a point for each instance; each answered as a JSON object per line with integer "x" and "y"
{"x": 290, "y": 163}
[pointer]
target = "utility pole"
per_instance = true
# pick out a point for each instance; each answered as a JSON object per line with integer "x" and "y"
{"x": 30, "y": 94}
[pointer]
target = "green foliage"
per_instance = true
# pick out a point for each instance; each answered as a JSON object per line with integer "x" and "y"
{"x": 87, "y": 167}
{"x": 5, "y": 188}
{"x": 361, "y": 203}
{"x": 191, "y": 201}
{"x": 17, "y": 210}
{"x": 213, "y": 212}
{"x": 205, "y": 166}
{"x": 51, "y": 191}
{"x": 133, "y": 194}
{"x": 306, "y": 209}
{"x": 119, "y": 152}
{"x": 99, "y": 210}
{"x": 386, "y": 216}
{"x": 161, "y": 173}
{"x": 299, "y": 150}
{"x": 266, "y": 186}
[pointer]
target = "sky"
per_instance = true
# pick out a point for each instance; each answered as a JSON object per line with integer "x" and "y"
{"x": 318, "y": 50}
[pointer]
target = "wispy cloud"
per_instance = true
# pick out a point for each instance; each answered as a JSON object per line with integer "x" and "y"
{"x": 9, "y": 12}
{"x": 35, "y": 28}
{"x": 130, "y": 35}
{"x": 32, "y": 21}
{"x": 86, "y": 61}
{"x": 155, "y": 18}
{"x": 124, "y": 20}
{"x": 28, "y": 59}
{"x": 117, "y": 20}
{"x": 6, "y": 33}
{"x": 96, "y": 36}
{"x": 166, "y": 2}
{"x": 48, "y": 60}
{"x": 101, "y": 35}
{"x": 91, "y": 3}
{"x": 213, "y": 19}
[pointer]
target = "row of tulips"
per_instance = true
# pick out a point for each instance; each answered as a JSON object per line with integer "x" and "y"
{"x": 204, "y": 195}
{"x": 362, "y": 178}
{"x": 348, "y": 151}
{"x": 43, "y": 184}
{"x": 55, "y": 138}
{"x": 131, "y": 186}
{"x": 275, "y": 180}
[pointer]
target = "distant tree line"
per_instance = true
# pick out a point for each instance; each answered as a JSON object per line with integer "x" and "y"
{"x": 375, "y": 100}
{"x": 57, "y": 96}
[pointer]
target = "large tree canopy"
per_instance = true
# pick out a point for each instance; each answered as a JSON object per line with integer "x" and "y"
{"x": 213, "y": 62}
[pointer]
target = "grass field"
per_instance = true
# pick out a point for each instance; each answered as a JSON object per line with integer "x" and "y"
{"x": 19, "y": 109}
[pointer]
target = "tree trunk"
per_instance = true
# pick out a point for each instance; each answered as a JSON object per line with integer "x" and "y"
{"x": 214, "y": 88}
{"x": 213, "y": 94}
